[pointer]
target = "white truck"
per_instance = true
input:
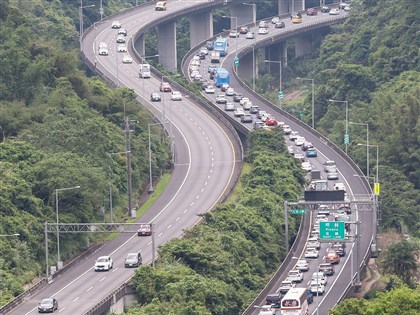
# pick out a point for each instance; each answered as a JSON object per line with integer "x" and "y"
{"x": 215, "y": 57}
{"x": 144, "y": 71}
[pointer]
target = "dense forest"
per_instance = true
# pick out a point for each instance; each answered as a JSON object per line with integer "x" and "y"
{"x": 60, "y": 125}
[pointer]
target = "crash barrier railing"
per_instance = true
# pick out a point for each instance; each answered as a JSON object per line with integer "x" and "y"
{"x": 44, "y": 282}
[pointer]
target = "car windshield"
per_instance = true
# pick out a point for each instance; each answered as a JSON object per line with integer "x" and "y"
{"x": 102, "y": 259}
{"x": 132, "y": 256}
{"x": 46, "y": 302}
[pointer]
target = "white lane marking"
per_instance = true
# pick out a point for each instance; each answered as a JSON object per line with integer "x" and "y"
{"x": 61, "y": 309}
{"x": 160, "y": 234}
{"x": 89, "y": 289}
{"x": 177, "y": 219}
{"x": 192, "y": 203}
{"x": 198, "y": 196}
{"x": 76, "y": 299}
{"x": 149, "y": 243}
{"x": 114, "y": 269}
{"x": 169, "y": 226}
{"x": 185, "y": 210}
{"x": 102, "y": 279}
{"x": 205, "y": 184}
{"x": 202, "y": 189}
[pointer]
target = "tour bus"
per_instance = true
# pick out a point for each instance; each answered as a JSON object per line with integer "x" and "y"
{"x": 295, "y": 302}
{"x": 221, "y": 45}
{"x": 221, "y": 76}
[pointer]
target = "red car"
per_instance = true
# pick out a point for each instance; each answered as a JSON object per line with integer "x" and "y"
{"x": 332, "y": 257}
{"x": 145, "y": 230}
{"x": 165, "y": 87}
{"x": 311, "y": 12}
{"x": 271, "y": 122}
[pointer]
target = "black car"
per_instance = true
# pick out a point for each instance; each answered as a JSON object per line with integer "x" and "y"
{"x": 155, "y": 97}
{"x": 48, "y": 306}
{"x": 325, "y": 9}
{"x": 280, "y": 25}
{"x": 202, "y": 55}
{"x": 254, "y": 110}
{"x": 309, "y": 296}
{"x": 209, "y": 45}
{"x": 133, "y": 260}
{"x": 237, "y": 97}
{"x": 274, "y": 299}
{"x": 339, "y": 249}
{"x": 244, "y": 29}
{"x": 246, "y": 119}
{"x": 327, "y": 269}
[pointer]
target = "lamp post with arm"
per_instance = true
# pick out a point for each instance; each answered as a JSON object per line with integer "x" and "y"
{"x": 313, "y": 99}
{"x": 81, "y": 21}
{"x": 346, "y": 136}
{"x": 280, "y": 96}
{"x": 151, "y": 189}
{"x": 58, "y": 230}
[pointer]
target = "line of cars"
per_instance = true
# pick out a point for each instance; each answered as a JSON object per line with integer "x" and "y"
{"x": 103, "y": 263}
{"x": 120, "y": 42}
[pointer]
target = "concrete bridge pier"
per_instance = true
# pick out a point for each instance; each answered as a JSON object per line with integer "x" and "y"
{"x": 303, "y": 45}
{"x": 139, "y": 45}
{"x": 276, "y": 53}
{"x": 167, "y": 46}
{"x": 247, "y": 67}
{"x": 245, "y": 13}
{"x": 201, "y": 27}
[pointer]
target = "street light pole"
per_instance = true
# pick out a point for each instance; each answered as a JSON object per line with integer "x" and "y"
{"x": 346, "y": 136}
{"x": 313, "y": 99}
{"x": 367, "y": 145}
{"x": 81, "y": 21}
{"x": 151, "y": 189}
{"x": 280, "y": 75}
{"x": 58, "y": 230}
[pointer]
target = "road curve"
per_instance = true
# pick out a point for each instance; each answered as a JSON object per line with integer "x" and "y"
{"x": 206, "y": 158}
{"x": 356, "y": 186}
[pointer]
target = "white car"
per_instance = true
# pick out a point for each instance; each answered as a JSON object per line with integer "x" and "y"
{"x": 287, "y": 130}
{"x": 332, "y": 175}
{"x": 103, "y": 45}
{"x": 221, "y": 99}
{"x": 306, "y": 166}
{"x": 116, "y": 24}
{"x": 293, "y": 135}
{"x": 286, "y": 285}
{"x": 299, "y": 156}
{"x": 266, "y": 310}
{"x": 317, "y": 289}
{"x": 339, "y": 186}
{"x": 347, "y": 8}
{"x": 311, "y": 253}
{"x": 103, "y": 263}
{"x": 239, "y": 112}
{"x": 323, "y": 209}
{"x": 320, "y": 217}
{"x": 299, "y": 141}
{"x": 209, "y": 89}
{"x": 313, "y": 243}
{"x": 229, "y": 106}
{"x": 295, "y": 276}
{"x": 204, "y": 50}
{"x": 244, "y": 100}
{"x": 319, "y": 277}
{"x": 233, "y": 34}
{"x": 120, "y": 39}
{"x": 230, "y": 91}
{"x": 302, "y": 265}
{"x": 263, "y": 31}
{"x": 127, "y": 59}
{"x": 250, "y": 35}
{"x": 290, "y": 149}
{"x": 122, "y": 48}
{"x": 103, "y": 51}
{"x": 176, "y": 96}
{"x": 334, "y": 12}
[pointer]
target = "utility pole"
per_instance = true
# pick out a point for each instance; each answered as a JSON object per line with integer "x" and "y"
{"x": 128, "y": 154}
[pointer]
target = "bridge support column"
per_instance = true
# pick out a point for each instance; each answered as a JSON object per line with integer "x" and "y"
{"x": 201, "y": 27}
{"x": 246, "y": 67}
{"x": 167, "y": 46}
{"x": 276, "y": 52}
{"x": 117, "y": 305}
{"x": 283, "y": 7}
{"x": 139, "y": 45}
{"x": 246, "y": 14}
{"x": 303, "y": 44}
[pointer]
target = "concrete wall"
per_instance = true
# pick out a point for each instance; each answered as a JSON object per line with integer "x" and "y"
{"x": 139, "y": 45}
{"x": 167, "y": 46}
{"x": 201, "y": 27}
{"x": 246, "y": 65}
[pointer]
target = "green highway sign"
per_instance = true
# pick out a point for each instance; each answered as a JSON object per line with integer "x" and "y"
{"x": 346, "y": 138}
{"x": 236, "y": 61}
{"x": 281, "y": 95}
{"x": 331, "y": 230}
{"x": 298, "y": 211}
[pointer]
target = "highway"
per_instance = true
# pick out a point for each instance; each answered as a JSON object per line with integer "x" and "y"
{"x": 206, "y": 158}
{"x": 337, "y": 283}
{"x": 205, "y": 161}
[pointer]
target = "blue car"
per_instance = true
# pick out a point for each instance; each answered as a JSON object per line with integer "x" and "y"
{"x": 311, "y": 153}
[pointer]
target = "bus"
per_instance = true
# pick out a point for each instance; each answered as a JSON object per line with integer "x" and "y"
{"x": 295, "y": 302}
{"x": 221, "y": 45}
{"x": 221, "y": 76}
